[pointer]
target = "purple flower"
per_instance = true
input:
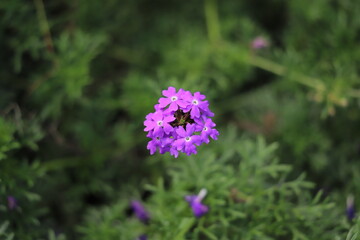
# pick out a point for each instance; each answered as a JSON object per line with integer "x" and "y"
{"x": 197, "y": 207}
{"x": 180, "y": 123}
{"x": 206, "y": 128}
{"x": 186, "y": 139}
{"x": 175, "y": 99}
{"x": 142, "y": 237}
{"x": 161, "y": 143}
{"x": 12, "y": 202}
{"x": 140, "y": 211}
{"x": 159, "y": 123}
{"x": 196, "y": 104}
{"x": 259, "y": 43}
{"x": 350, "y": 207}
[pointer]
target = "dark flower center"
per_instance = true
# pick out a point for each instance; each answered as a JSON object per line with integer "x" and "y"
{"x": 181, "y": 119}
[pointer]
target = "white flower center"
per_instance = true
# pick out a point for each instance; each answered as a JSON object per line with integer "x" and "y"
{"x": 160, "y": 123}
{"x": 174, "y": 98}
{"x": 205, "y": 128}
{"x": 195, "y": 102}
{"x": 187, "y": 139}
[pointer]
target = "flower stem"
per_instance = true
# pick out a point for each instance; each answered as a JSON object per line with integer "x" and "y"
{"x": 212, "y": 20}
{"x": 280, "y": 70}
{"x": 214, "y": 35}
{"x": 354, "y": 93}
{"x": 44, "y": 25}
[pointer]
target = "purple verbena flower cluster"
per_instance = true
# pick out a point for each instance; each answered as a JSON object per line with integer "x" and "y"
{"x": 181, "y": 122}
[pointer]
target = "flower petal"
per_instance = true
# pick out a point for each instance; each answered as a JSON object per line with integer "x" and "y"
{"x": 181, "y": 132}
{"x": 169, "y": 119}
{"x": 173, "y": 106}
{"x": 158, "y": 132}
{"x": 168, "y": 128}
{"x": 195, "y": 113}
{"x": 190, "y": 128}
{"x": 199, "y": 96}
{"x": 157, "y": 116}
{"x": 196, "y": 139}
{"x": 171, "y": 91}
{"x": 163, "y": 102}
{"x": 199, "y": 209}
{"x": 179, "y": 143}
{"x": 182, "y": 103}
{"x": 149, "y": 125}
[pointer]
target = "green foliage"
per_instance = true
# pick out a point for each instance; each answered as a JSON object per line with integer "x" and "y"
{"x": 78, "y": 77}
{"x": 18, "y": 172}
{"x": 70, "y": 72}
{"x": 109, "y": 224}
{"x": 3, "y": 232}
{"x": 248, "y": 195}
{"x": 7, "y": 141}
{"x": 354, "y": 231}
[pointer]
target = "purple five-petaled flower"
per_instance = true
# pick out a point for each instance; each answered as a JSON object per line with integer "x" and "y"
{"x": 173, "y": 99}
{"x": 140, "y": 211}
{"x": 197, "y": 207}
{"x": 197, "y": 105}
{"x": 186, "y": 140}
{"x": 207, "y": 130}
{"x": 159, "y": 123}
{"x": 181, "y": 122}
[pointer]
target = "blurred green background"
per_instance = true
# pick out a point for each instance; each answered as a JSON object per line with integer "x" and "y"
{"x": 78, "y": 77}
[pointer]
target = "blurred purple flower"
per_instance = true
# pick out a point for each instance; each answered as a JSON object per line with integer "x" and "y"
{"x": 197, "y": 207}
{"x": 142, "y": 237}
{"x": 12, "y": 202}
{"x": 140, "y": 211}
{"x": 350, "y": 207}
{"x": 259, "y": 43}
